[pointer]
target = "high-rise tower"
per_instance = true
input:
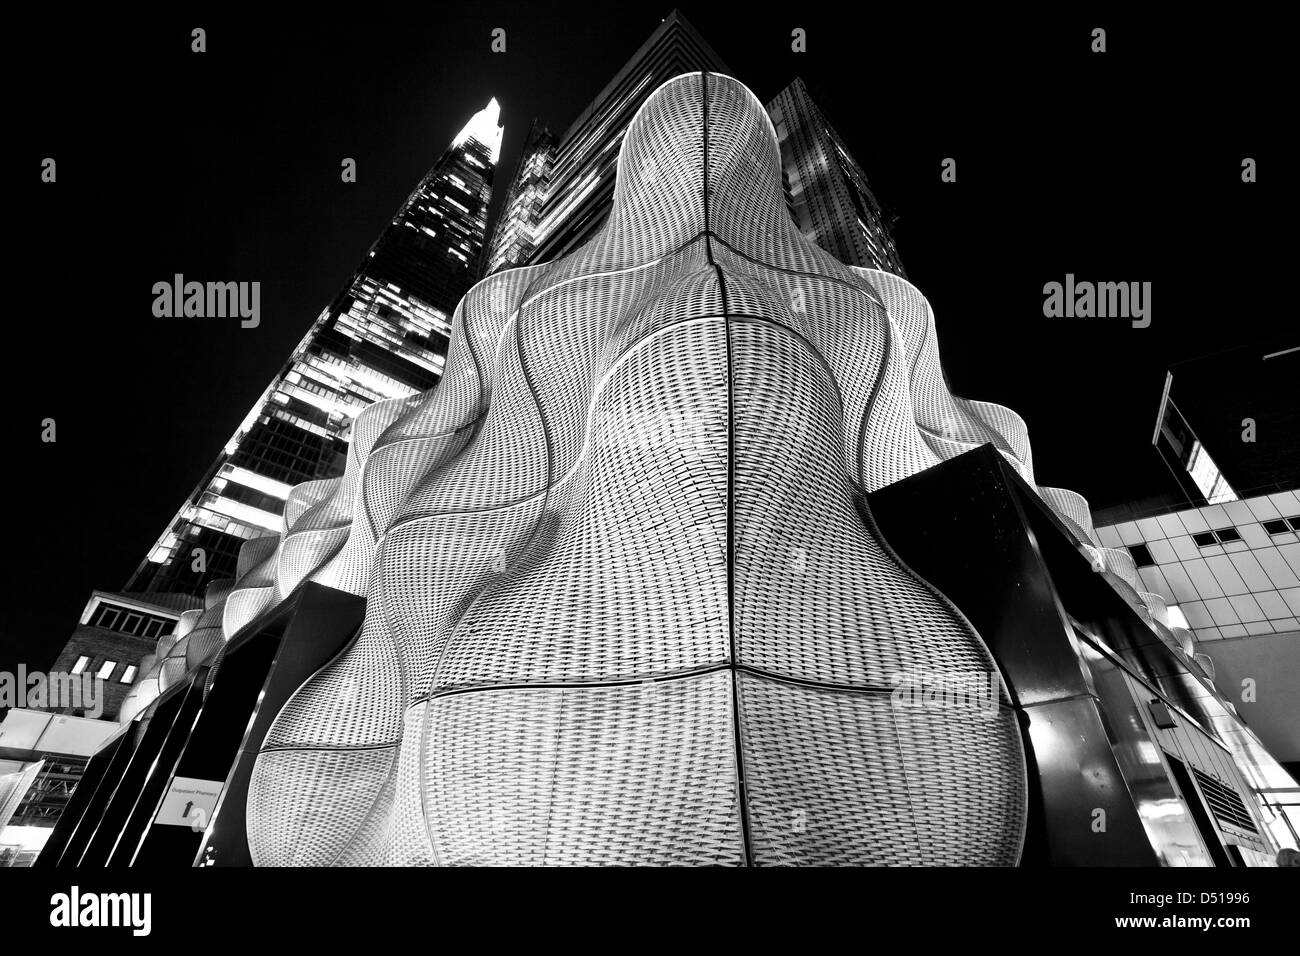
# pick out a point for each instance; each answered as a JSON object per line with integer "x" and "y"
{"x": 513, "y": 236}
{"x": 825, "y": 188}
{"x": 563, "y": 187}
{"x": 384, "y": 336}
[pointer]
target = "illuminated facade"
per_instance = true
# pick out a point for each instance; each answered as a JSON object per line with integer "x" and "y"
{"x": 826, "y": 189}
{"x": 626, "y": 600}
{"x": 563, "y": 207}
{"x": 42, "y": 758}
{"x": 634, "y": 615}
{"x": 383, "y": 337}
{"x": 563, "y": 189}
{"x": 513, "y": 236}
{"x": 690, "y": 558}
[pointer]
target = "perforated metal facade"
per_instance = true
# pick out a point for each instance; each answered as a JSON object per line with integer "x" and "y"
{"x": 626, "y": 602}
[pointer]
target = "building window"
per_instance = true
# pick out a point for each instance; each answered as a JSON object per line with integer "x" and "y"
{"x": 128, "y": 674}
{"x": 82, "y": 662}
{"x": 153, "y": 628}
{"x": 1207, "y": 476}
{"x": 107, "y": 617}
{"x": 106, "y": 670}
{"x": 1221, "y": 536}
{"x": 1295, "y": 523}
{"x": 1277, "y": 527}
{"x": 1141, "y": 555}
{"x": 132, "y": 624}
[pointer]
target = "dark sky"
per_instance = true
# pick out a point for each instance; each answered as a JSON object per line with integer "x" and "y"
{"x": 1120, "y": 167}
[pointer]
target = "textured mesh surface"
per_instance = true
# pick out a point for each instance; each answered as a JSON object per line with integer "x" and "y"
{"x": 202, "y": 642}
{"x": 1073, "y": 510}
{"x": 911, "y": 797}
{"x": 172, "y": 649}
{"x": 1206, "y": 665}
{"x": 526, "y": 776}
{"x": 1120, "y": 563}
{"x": 623, "y": 606}
{"x": 1156, "y": 607}
{"x": 255, "y": 586}
{"x": 143, "y": 692}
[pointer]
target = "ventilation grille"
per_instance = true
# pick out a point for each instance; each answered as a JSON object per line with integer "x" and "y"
{"x": 1225, "y": 802}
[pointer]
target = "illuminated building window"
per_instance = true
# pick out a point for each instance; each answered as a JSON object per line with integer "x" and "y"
{"x": 383, "y": 337}
{"x": 106, "y": 670}
{"x": 128, "y": 674}
{"x": 1177, "y": 442}
{"x": 82, "y": 663}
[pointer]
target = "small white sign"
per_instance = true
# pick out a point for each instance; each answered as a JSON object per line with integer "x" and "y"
{"x": 189, "y": 803}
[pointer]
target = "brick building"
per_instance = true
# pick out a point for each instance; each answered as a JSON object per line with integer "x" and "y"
{"x": 115, "y": 633}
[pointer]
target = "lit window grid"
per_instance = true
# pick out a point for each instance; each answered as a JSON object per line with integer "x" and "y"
{"x": 349, "y": 386}
{"x": 815, "y": 146}
{"x": 576, "y": 153}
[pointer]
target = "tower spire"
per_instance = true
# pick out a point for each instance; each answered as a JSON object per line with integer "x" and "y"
{"x": 484, "y": 127}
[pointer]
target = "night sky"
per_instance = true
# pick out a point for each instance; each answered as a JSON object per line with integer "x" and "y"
{"x": 1123, "y": 166}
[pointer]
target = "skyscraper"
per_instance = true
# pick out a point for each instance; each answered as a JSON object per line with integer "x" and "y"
{"x": 573, "y": 197}
{"x": 513, "y": 237}
{"x": 563, "y": 189}
{"x": 825, "y": 188}
{"x": 384, "y": 336}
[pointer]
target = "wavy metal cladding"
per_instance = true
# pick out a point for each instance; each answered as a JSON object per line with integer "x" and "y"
{"x": 625, "y": 602}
